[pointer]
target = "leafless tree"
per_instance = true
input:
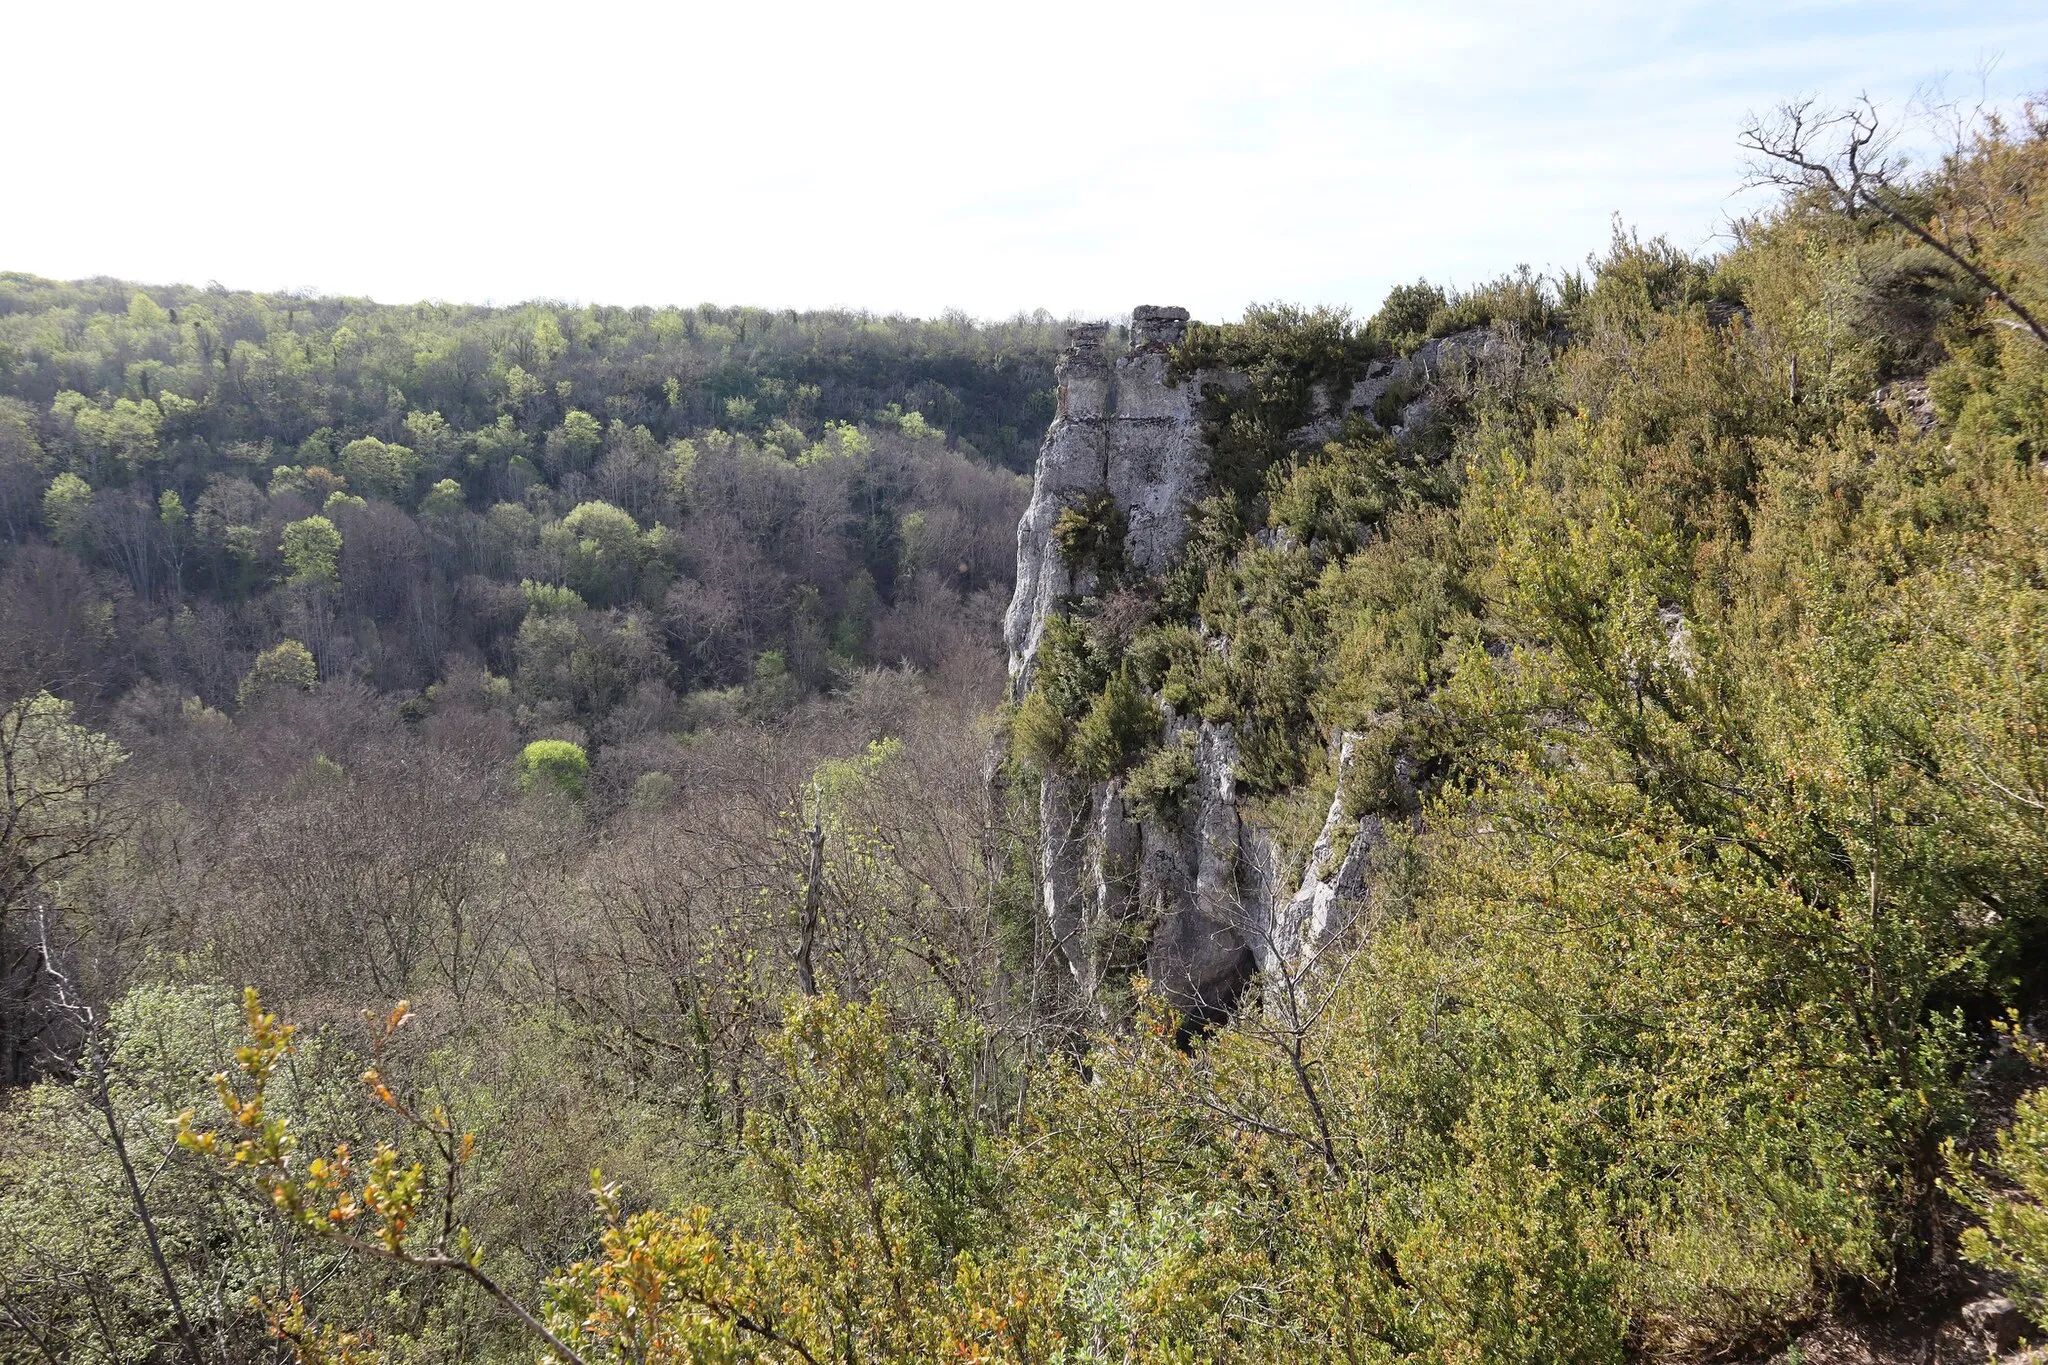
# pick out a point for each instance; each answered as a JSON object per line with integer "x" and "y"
{"x": 72, "y": 786}
{"x": 56, "y": 812}
{"x": 1847, "y": 156}
{"x": 814, "y": 895}
{"x": 126, "y": 531}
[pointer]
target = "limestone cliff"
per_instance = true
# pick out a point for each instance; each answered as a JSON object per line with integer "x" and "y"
{"x": 1120, "y": 429}
{"x": 1197, "y": 902}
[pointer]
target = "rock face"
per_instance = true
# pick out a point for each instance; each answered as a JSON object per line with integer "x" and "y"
{"x": 1121, "y": 430}
{"x": 1198, "y": 903}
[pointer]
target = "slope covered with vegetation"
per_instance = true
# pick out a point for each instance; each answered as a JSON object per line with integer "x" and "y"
{"x": 601, "y": 511}
{"x": 1695, "y": 633}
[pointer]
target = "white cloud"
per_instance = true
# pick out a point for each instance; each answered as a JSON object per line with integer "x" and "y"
{"x": 912, "y": 156}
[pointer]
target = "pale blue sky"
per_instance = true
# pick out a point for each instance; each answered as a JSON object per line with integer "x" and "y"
{"x": 917, "y": 157}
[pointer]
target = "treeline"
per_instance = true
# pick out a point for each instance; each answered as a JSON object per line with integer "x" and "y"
{"x": 223, "y": 368}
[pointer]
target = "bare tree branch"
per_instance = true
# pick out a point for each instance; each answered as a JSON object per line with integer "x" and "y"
{"x": 1845, "y": 154}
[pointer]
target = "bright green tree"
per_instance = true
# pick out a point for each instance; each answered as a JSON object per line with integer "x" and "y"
{"x": 66, "y": 504}
{"x": 571, "y": 445}
{"x": 378, "y": 469}
{"x": 556, "y": 764}
{"x": 603, "y": 548}
{"x": 549, "y": 599}
{"x": 124, "y": 433}
{"x": 312, "y": 552}
{"x": 54, "y": 802}
{"x": 443, "y": 500}
{"x": 280, "y": 670}
{"x": 18, "y": 441}
{"x": 431, "y": 436}
{"x": 145, "y": 312}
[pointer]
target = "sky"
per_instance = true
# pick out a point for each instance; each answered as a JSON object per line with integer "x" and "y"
{"x": 988, "y": 157}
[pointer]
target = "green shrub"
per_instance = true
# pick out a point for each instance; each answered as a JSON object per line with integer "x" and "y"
{"x": 1402, "y": 323}
{"x": 1158, "y": 785}
{"x": 602, "y": 548}
{"x": 1070, "y": 669}
{"x": 1121, "y": 722}
{"x": 2013, "y": 1203}
{"x": 553, "y": 764}
{"x": 443, "y": 500}
{"x": 571, "y": 445}
{"x": 1090, "y": 534}
{"x": 1522, "y": 299}
{"x": 773, "y": 689}
{"x": 653, "y": 791}
{"x": 1293, "y": 362}
{"x": 1038, "y": 733}
{"x": 1079, "y": 716}
{"x": 1332, "y": 500}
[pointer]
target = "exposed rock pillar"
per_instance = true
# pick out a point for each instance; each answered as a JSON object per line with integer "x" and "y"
{"x": 1191, "y": 900}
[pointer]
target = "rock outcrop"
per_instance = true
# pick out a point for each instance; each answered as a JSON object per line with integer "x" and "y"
{"x": 1120, "y": 429}
{"x": 1197, "y": 902}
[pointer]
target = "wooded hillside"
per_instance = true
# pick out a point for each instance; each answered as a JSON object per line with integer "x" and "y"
{"x": 622, "y": 696}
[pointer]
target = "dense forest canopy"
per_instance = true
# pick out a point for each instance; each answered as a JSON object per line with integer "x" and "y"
{"x": 696, "y": 495}
{"x": 607, "y": 702}
{"x": 281, "y": 367}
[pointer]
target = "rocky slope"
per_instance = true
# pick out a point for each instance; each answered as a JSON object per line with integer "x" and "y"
{"x": 1199, "y": 903}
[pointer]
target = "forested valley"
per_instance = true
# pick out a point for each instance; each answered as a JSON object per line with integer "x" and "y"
{"x": 517, "y": 842}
